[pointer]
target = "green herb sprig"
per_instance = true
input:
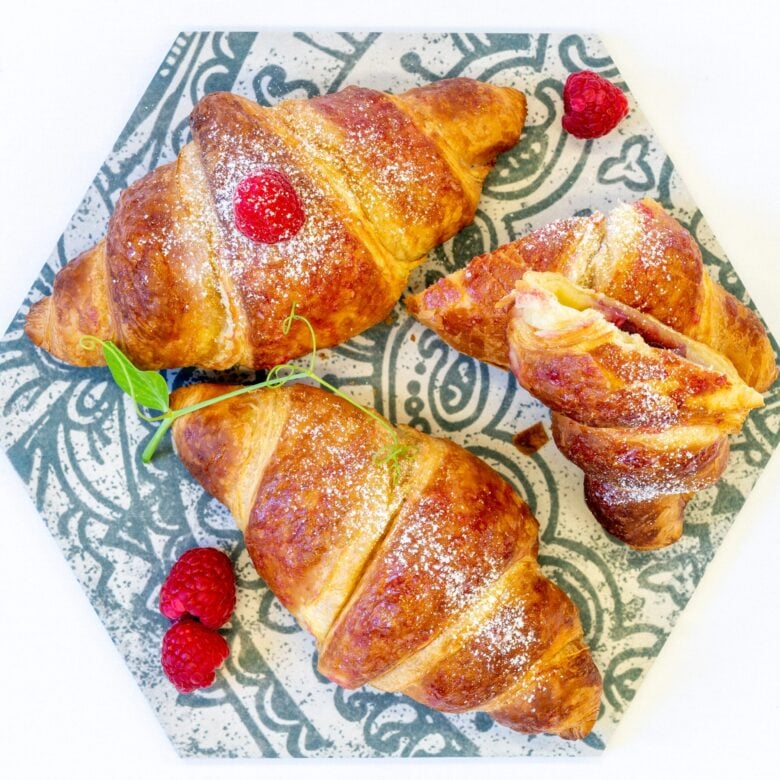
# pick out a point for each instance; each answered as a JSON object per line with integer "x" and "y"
{"x": 149, "y": 392}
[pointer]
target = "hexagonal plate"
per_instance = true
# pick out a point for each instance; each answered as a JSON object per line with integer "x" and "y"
{"x": 75, "y": 439}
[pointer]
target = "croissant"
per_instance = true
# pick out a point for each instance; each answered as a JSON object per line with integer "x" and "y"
{"x": 639, "y": 255}
{"x": 644, "y": 411}
{"x": 326, "y": 203}
{"x": 426, "y": 584}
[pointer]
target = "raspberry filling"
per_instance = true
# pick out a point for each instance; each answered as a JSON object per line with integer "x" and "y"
{"x": 267, "y": 208}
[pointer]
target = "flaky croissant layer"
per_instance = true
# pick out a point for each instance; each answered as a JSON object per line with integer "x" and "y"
{"x": 638, "y": 255}
{"x": 381, "y": 180}
{"x": 426, "y": 583}
{"x": 644, "y": 411}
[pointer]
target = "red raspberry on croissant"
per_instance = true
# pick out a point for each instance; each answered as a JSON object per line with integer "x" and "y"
{"x": 381, "y": 180}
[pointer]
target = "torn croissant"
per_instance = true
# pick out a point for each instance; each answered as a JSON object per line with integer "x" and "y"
{"x": 642, "y": 409}
{"x": 638, "y": 254}
{"x": 379, "y": 180}
{"x": 427, "y": 584}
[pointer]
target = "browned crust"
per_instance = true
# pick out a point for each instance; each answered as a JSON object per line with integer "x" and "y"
{"x": 664, "y": 275}
{"x": 604, "y": 385}
{"x": 449, "y": 541}
{"x": 213, "y": 442}
{"x": 470, "y": 308}
{"x": 637, "y": 483}
{"x": 382, "y": 182}
{"x": 638, "y": 459}
{"x": 78, "y": 307}
{"x": 324, "y": 269}
{"x": 643, "y": 523}
{"x": 562, "y": 698}
{"x": 531, "y": 617}
{"x": 324, "y": 461}
{"x": 165, "y": 299}
{"x": 647, "y": 425}
{"x": 485, "y": 120}
{"x": 662, "y": 272}
{"x": 659, "y": 271}
{"x": 406, "y": 188}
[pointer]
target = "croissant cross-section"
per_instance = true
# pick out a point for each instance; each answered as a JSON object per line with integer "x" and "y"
{"x": 643, "y": 410}
{"x": 425, "y": 583}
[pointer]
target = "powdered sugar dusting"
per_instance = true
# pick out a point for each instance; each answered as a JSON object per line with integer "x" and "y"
{"x": 363, "y": 172}
{"x": 453, "y": 571}
{"x": 623, "y": 234}
{"x": 589, "y": 370}
{"x": 504, "y": 638}
{"x": 302, "y": 255}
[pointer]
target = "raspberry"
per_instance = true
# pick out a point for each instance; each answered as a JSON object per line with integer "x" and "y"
{"x": 191, "y": 654}
{"x": 202, "y": 584}
{"x": 267, "y": 208}
{"x": 592, "y": 105}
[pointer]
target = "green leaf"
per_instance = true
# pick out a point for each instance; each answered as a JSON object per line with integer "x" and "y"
{"x": 146, "y": 388}
{"x": 150, "y": 390}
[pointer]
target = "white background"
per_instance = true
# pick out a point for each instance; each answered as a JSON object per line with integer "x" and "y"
{"x": 707, "y": 77}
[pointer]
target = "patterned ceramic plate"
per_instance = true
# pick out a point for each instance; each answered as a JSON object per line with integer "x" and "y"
{"x": 75, "y": 440}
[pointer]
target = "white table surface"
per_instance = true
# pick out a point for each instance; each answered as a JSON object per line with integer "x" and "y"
{"x": 705, "y": 74}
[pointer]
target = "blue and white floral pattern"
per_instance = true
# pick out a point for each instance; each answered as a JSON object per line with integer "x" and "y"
{"x": 75, "y": 440}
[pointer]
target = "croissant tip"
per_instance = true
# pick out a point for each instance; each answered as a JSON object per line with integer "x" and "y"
{"x": 518, "y": 97}
{"x": 765, "y": 380}
{"x": 184, "y": 396}
{"x": 192, "y": 394}
{"x": 36, "y": 326}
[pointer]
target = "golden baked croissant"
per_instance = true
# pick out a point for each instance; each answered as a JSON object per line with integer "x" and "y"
{"x": 202, "y": 253}
{"x": 426, "y": 584}
{"x": 639, "y": 255}
{"x": 642, "y": 409}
